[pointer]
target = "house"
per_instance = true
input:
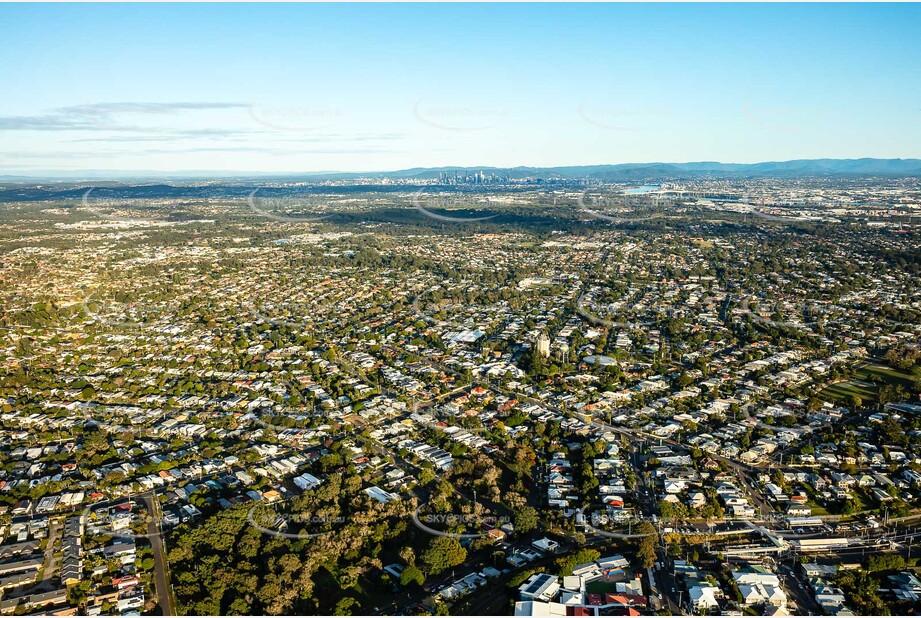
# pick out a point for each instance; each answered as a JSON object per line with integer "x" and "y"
{"x": 23, "y": 507}
{"x": 306, "y": 482}
{"x": 539, "y": 587}
{"x": 824, "y": 571}
{"x": 613, "y": 562}
{"x": 545, "y": 545}
{"x": 759, "y": 586}
{"x": 29, "y": 564}
{"x": 709, "y": 464}
{"x": 831, "y": 600}
{"x": 125, "y": 550}
{"x": 755, "y": 594}
{"x": 38, "y": 599}
{"x": 380, "y": 495}
{"x": 675, "y": 487}
{"x": 743, "y": 510}
{"x": 127, "y": 581}
{"x": 881, "y": 495}
{"x": 906, "y": 586}
{"x": 704, "y": 598}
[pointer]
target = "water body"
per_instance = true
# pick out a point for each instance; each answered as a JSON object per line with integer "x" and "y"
{"x": 643, "y": 189}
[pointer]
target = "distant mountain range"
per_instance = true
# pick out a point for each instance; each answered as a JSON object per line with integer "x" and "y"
{"x": 617, "y": 172}
{"x": 650, "y": 171}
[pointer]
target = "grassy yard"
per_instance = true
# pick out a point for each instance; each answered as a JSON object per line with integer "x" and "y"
{"x": 817, "y": 509}
{"x": 600, "y": 587}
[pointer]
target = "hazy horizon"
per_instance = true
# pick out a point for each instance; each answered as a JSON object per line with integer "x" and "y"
{"x": 115, "y": 175}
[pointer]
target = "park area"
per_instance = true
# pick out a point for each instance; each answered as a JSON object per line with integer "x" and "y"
{"x": 866, "y": 384}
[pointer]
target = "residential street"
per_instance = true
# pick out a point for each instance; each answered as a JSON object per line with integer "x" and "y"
{"x": 161, "y": 568}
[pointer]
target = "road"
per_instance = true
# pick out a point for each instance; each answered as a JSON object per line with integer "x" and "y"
{"x": 667, "y": 585}
{"x": 805, "y": 602}
{"x": 161, "y": 568}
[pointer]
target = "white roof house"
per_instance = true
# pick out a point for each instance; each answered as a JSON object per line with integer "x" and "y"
{"x": 703, "y": 598}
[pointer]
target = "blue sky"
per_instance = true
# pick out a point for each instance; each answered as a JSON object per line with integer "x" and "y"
{"x": 311, "y": 87}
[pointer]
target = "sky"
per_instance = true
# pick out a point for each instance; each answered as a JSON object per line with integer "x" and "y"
{"x": 363, "y": 87}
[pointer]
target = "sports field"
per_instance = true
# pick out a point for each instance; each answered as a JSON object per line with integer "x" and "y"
{"x": 866, "y": 383}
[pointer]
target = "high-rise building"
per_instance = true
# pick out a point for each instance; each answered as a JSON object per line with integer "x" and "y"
{"x": 543, "y": 345}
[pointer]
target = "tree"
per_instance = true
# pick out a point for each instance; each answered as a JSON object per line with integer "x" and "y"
{"x": 345, "y": 605}
{"x": 886, "y": 395}
{"x": 854, "y": 402}
{"x": 407, "y": 555}
{"x": 672, "y": 510}
{"x": 860, "y": 589}
{"x": 778, "y": 478}
{"x": 567, "y": 563}
{"x": 848, "y": 507}
{"x": 891, "y": 432}
{"x": 426, "y": 476}
{"x": 526, "y": 519}
{"x": 885, "y": 562}
{"x": 412, "y": 574}
{"x": 442, "y": 554}
{"x": 646, "y": 545}
{"x": 746, "y": 440}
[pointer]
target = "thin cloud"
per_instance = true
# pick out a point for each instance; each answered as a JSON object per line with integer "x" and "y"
{"x": 55, "y": 122}
{"x": 170, "y": 136}
{"x": 101, "y": 116}
{"x": 271, "y": 151}
{"x": 238, "y": 136}
{"x": 180, "y": 151}
{"x": 144, "y": 108}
